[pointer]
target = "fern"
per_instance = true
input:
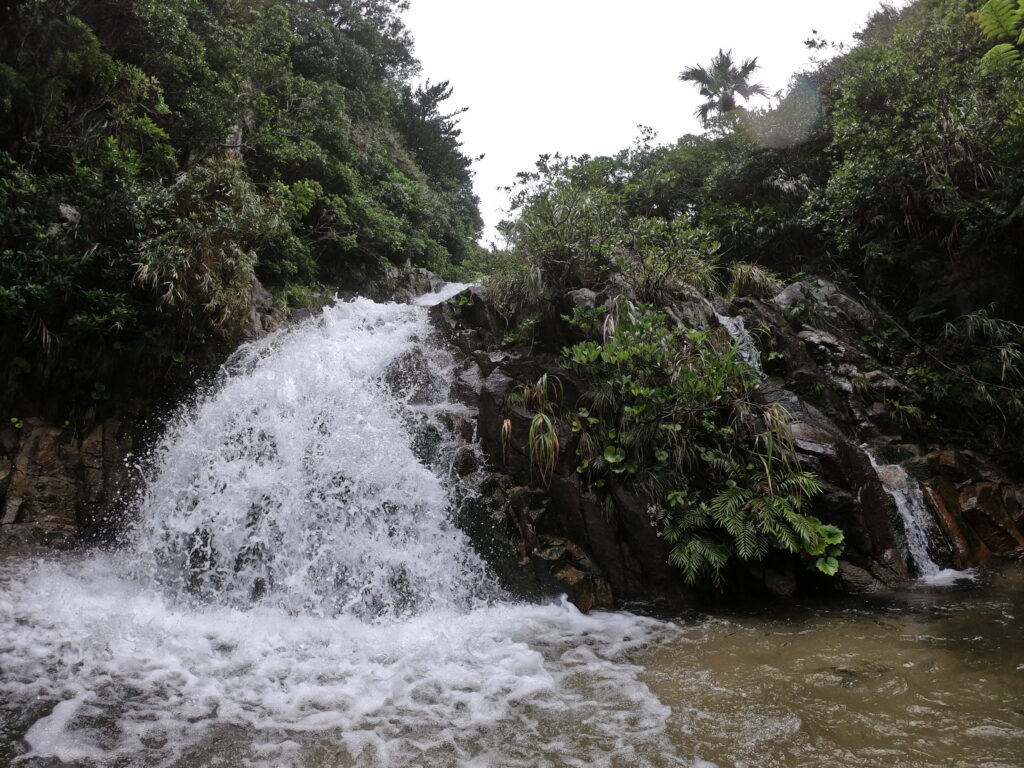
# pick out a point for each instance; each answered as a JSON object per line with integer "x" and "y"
{"x": 728, "y": 508}
{"x": 748, "y": 543}
{"x": 1000, "y": 19}
{"x": 804, "y": 527}
{"x": 1000, "y": 56}
{"x": 700, "y": 557}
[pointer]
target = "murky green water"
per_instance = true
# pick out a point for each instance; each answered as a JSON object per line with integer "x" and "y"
{"x": 930, "y": 677}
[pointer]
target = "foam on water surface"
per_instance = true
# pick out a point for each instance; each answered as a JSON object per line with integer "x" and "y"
{"x": 129, "y": 675}
{"x": 447, "y": 291}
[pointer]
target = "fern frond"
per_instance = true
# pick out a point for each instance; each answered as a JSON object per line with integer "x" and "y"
{"x": 998, "y": 19}
{"x": 804, "y": 527}
{"x": 747, "y": 542}
{"x": 727, "y": 509}
{"x": 699, "y": 556}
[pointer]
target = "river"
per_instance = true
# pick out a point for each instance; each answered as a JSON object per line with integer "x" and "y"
{"x": 291, "y": 591}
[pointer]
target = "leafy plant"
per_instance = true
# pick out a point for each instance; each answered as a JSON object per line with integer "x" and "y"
{"x": 669, "y": 413}
{"x": 543, "y": 446}
{"x": 1002, "y": 20}
{"x": 544, "y": 395}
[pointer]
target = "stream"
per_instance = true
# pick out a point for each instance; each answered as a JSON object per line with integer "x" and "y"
{"x": 291, "y": 591}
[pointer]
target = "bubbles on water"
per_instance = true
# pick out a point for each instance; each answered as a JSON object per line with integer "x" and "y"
{"x": 125, "y": 675}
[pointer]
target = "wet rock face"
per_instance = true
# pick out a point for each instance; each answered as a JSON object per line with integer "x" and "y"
{"x": 58, "y": 486}
{"x": 264, "y": 317}
{"x": 977, "y": 505}
{"x": 409, "y": 378}
{"x": 563, "y": 566}
{"x": 838, "y": 399}
{"x": 402, "y": 283}
{"x": 41, "y": 482}
{"x": 816, "y": 332}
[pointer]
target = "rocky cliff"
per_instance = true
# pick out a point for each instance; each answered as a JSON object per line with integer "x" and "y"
{"x": 847, "y": 414}
{"x": 555, "y": 533}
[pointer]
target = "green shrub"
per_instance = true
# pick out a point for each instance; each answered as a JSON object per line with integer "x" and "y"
{"x": 669, "y": 413}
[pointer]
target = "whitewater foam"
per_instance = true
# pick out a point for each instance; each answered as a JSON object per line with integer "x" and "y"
{"x": 293, "y": 591}
{"x": 130, "y": 675}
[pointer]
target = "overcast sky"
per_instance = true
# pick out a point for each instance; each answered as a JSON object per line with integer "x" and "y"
{"x": 578, "y": 76}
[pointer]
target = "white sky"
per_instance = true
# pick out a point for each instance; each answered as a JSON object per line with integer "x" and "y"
{"x": 578, "y": 76}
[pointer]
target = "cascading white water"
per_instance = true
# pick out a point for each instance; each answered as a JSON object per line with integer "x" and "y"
{"x": 293, "y": 592}
{"x": 296, "y": 483}
{"x": 906, "y": 493}
{"x": 737, "y": 330}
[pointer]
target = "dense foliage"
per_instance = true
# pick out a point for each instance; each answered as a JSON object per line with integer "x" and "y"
{"x": 669, "y": 410}
{"x": 896, "y": 169}
{"x": 156, "y": 156}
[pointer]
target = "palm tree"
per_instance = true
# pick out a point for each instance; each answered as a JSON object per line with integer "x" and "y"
{"x": 721, "y": 83}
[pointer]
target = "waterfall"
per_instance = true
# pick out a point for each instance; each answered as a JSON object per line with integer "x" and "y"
{"x": 292, "y": 589}
{"x": 909, "y": 499}
{"x": 737, "y": 330}
{"x": 296, "y": 483}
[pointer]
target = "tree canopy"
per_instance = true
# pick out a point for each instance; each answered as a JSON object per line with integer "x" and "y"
{"x": 156, "y": 156}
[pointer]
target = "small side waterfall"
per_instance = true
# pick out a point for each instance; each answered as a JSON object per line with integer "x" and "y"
{"x": 909, "y": 499}
{"x": 736, "y": 328}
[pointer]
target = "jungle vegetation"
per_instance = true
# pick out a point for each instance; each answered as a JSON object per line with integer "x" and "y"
{"x": 156, "y": 155}
{"x": 895, "y": 169}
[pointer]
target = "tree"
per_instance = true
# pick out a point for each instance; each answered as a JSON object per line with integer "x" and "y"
{"x": 130, "y": 231}
{"x": 721, "y": 83}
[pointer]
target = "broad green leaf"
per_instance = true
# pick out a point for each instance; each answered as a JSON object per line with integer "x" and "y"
{"x": 828, "y": 565}
{"x": 613, "y": 454}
